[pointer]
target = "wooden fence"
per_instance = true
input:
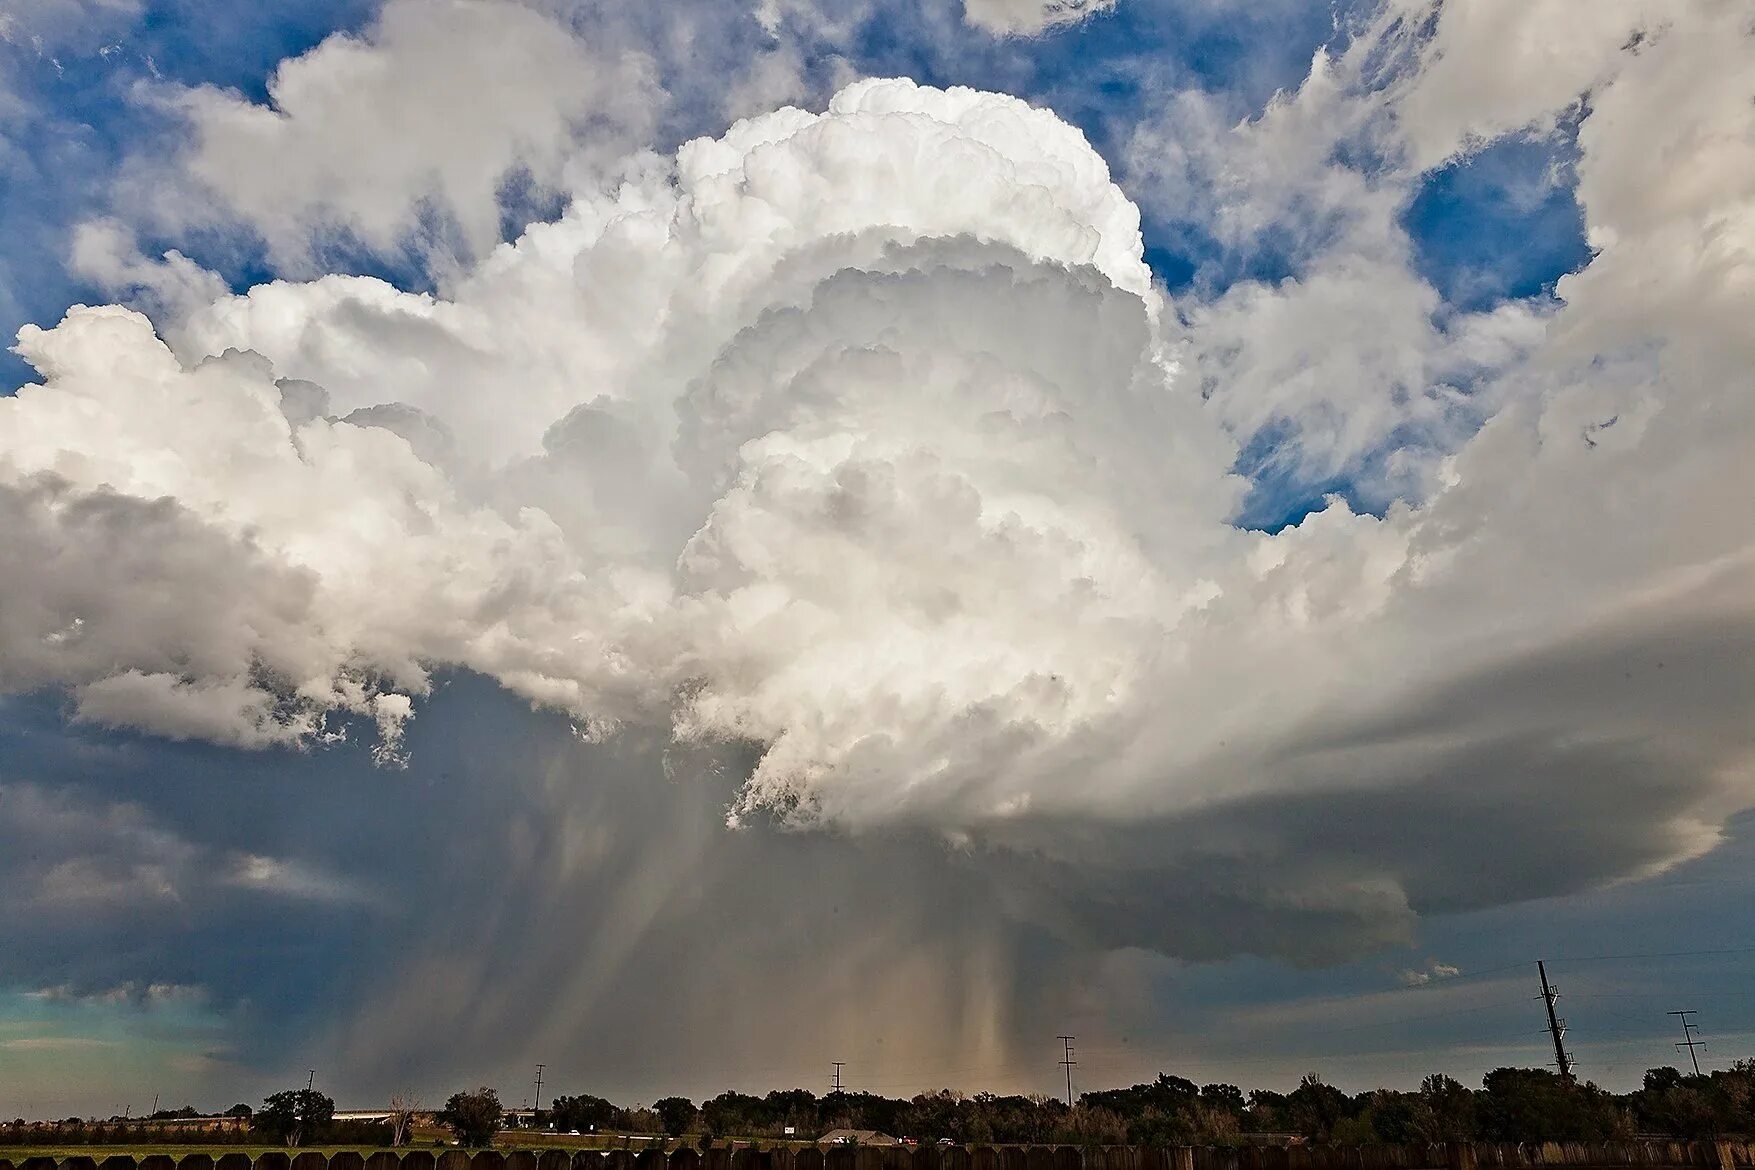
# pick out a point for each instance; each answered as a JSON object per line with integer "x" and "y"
{"x": 1440, "y": 1156}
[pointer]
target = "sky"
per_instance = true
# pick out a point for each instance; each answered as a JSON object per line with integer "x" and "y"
{"x": 691, "y": 542}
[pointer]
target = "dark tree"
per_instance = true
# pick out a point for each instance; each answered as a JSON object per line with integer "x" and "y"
{"x": 474, "y": 1117}
{"x": 584, "y": 1113}
{"x": 735, "y": 1113}
{"x": 1316, "y": 1107}
{"x": 1535, "y": 1104}
{"x": 675, "y": 1114}
{"x": 293, "y": 1115}
{"x": 239, "y": 1110}
{"x": 1699, "y": 1105}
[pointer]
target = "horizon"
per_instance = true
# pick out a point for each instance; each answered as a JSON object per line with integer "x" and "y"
{"x": 689, "y": 542}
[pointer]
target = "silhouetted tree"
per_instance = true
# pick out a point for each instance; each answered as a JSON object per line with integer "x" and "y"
{"x": 676, "y": 1114}
{"x": 1534, "y": 1104}
{"x": 474, "y": 1117}
{"x": 293, "y": 1115}
{"x": 1316, "y": 1106}
{"x": 583, "y": 1113}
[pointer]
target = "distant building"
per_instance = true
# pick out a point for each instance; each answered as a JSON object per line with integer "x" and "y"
{"x": 856, "y": 1137}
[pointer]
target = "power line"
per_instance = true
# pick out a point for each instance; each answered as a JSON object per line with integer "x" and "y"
{"x": 1067, "y": 1060}
{"x": 1688, "y": 1040}
{"x": 1556, "y": 1026}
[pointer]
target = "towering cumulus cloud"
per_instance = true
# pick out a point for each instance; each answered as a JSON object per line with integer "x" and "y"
{"x": 863, "y": 440}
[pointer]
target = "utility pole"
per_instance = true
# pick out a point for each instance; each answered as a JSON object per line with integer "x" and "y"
{"x": 539, "y": 1069}
{"x": 1067, "y": 1060}
{"x": 835, "y": 1085}
{"x": 1688, "y": 1040}
{"x": 1556, "y": 1026}
{"x": 311, "y": 1081}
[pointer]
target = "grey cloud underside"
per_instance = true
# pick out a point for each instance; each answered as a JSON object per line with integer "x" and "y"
{"x": 517, "y": 888}
{"x": 1577, "y": 765}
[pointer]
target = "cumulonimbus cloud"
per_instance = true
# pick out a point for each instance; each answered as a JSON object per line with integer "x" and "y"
{"x": 864, "y": 437}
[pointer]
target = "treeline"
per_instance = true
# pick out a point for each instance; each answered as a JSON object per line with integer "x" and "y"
{"x": 1512, "y": 1105}
{"x": 291, "y": 1118}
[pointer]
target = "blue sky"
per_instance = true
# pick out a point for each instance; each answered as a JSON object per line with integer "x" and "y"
{"x": 302, "y": 892}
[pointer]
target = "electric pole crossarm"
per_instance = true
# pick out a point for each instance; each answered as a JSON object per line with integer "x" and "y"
{"x": 1688, "y": 1041}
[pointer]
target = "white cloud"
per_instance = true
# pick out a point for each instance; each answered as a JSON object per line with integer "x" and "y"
{"x": 429, "y": 111}
{"x": 1421, "y": 977}
{"x": 863, "y": 437}
{"x": 106, "y": 252}
{"x": 129, "y": 994}
{"x": 289, "y": 879}
{"x": 1492, "y": 67}
{"x": 47, "y": 27}
{"x": 1029, "y": 17}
